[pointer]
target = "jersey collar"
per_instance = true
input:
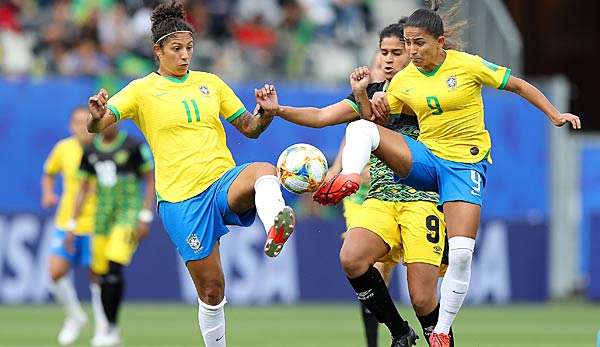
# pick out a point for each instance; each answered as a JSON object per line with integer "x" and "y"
{"x": 435, "y": 69}
{"x": 109, "y": 147}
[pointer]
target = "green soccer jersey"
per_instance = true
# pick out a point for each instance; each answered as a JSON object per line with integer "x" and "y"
{"x": 118, "y": 167}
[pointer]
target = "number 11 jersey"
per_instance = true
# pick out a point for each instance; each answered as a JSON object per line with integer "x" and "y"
{"x": 180, "y": 119}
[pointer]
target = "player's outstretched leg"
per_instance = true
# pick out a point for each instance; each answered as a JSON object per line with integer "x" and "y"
{"x": 278, "y": 219}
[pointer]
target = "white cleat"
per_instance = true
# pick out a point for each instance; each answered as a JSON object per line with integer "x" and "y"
{"x": 110, "y": 337}
{"x": 71, "y": 329}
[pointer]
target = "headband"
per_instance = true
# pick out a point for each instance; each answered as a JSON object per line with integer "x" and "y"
{"x": 174, "y": 32}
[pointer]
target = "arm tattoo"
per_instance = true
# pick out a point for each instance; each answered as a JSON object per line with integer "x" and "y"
{"x": 250, "y": 125}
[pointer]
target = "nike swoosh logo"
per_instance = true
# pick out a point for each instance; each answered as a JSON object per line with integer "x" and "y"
{"x": 408, "y": 90}
{"x": 160, "y": 94}
{"x": 219, "y": 339}
{"x": 455, "y": 292}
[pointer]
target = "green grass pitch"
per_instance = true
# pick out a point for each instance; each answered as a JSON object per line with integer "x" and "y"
{"x": 565, "y": 324}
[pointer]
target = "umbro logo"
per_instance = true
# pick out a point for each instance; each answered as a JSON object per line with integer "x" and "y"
{"x": 367, "y": 294}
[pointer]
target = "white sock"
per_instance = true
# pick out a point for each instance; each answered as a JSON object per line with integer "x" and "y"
{"x": 362, "y": 137}
{"x": 456, "y": 281}
{"x": 100, "y": 321}
{"x": 268, "y": 199}
{"x": 65, "y": 294}
{"x": 212, "y": 323}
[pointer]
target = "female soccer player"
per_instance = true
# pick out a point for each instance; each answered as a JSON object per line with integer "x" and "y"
{"x": 199, "y": 188}
{"x": 395, "y": 221}
{"x": 453, "y": 151}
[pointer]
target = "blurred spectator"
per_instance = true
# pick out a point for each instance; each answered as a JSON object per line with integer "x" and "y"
{"x": 239, "y": 39}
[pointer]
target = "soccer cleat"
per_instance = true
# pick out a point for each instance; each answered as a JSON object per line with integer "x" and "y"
{"x": 110, "y": 337}
{"x": 439, "y": 340}
{"x": 280, "y": 231}
{"x": 336, "y": 189}
{"x": 407, "y": 340}
{"x": 71, "y": 329}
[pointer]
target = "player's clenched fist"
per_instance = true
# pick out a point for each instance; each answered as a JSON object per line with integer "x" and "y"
{"x": 359, "y": 78}
{"x": 97, "y": 104}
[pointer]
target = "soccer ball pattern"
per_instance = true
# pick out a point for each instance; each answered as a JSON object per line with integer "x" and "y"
{"x": 301, "y": 168}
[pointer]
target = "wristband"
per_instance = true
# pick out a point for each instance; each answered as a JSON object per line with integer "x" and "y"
{"x": 71, "y": 224}
{"x": 146, "y": 216}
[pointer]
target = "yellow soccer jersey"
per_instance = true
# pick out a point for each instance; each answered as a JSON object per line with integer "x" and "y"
{"x": 180, "y": 120}
{"x": 449, "y": 105}
{"x": 65, "y": 159}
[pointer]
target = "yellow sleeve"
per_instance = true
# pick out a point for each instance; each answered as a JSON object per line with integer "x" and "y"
{"x": 230, "y": 105}
{"x": 52, "y": 166}
{"x": 490, "y": 74}
{"x": 124, "y": 104}
{"x": 393, "y": 95}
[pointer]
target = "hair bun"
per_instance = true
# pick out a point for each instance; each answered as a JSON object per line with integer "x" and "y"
{"x": 165, "y": 11}
{"x": 435, "y": 4}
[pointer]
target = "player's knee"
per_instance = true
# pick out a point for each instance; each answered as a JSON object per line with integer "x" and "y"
{"x": 422, "y": 302}
{"x": 114, "y": 276}
{"x": 460, "y": 259}
{"x": 352, "y": 264}
{"x": 211, "y": 291}
{"x": 364, "y": 128}
{"x": 263, "y": 169}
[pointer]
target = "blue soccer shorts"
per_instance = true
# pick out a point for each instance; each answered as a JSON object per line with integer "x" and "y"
{"x": 196, "y": 224}
{"x": 454, "y": 181}
{"x": 82, "y": 254}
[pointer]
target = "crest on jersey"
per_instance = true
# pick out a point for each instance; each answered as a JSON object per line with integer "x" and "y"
{"x": 121, "y": 157}
{"x": 452, "y": 82}
{"x": 204, "y": 90}
{"x": 194, "y": 243}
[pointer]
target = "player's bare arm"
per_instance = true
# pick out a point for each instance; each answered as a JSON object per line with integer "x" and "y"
{"x": 539, "y": 100}
{"x": 146, "y": 216}
{"x": 252, "y": 125}
{"x": 313, "y": 117}
{"x": 49, "y": 197}
{"x": 100, "y": 115}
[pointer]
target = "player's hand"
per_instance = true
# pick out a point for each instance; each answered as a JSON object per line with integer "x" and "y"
{"x": 49, "y": 200}
{"x": 266, "y": 98}
{"x": 97, "y": 104}
{"x": 359, "y": 78}
{"x": 565, "y": 118}
{"x": 380, "y": 107}
{"x": 69, "y": 242}
{"x": 142, "y": 232}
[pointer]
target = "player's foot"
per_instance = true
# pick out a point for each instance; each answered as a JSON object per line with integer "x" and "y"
{"x": 280, "y": 231}
{"x": 333, "y": 191}
{"x": 110, "y": 337}
{"x": 439, "y": 340}
{"x": 406, "y": 340}
{"x": 71, "y": 329}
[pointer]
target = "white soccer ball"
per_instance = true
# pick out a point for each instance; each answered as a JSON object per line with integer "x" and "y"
{"x": 301, "y": 168}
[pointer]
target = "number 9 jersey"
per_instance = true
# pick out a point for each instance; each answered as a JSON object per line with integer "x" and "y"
{"x": 448, "y": 104}
{"x": 180, "y": 119}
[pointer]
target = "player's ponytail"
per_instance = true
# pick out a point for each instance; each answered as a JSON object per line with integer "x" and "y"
{"x": 438, "y": 25}
{"x": 168, "y": 18}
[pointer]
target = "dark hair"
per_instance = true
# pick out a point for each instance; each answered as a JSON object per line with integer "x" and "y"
{"x": 167, "y": 18}
{"x": 439, "y": 25}
{"x": 393, "y": 30}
